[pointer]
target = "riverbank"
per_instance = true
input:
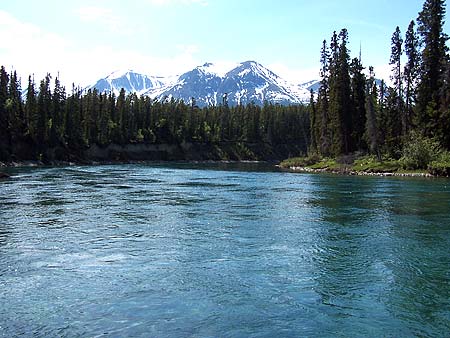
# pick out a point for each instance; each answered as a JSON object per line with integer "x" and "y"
{"x": 359, "y": 173}
{"x": 141, "y": 152}
{"x": 356, "y": 166}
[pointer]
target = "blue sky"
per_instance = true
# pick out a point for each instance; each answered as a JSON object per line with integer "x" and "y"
{"x": 86, "y": 40}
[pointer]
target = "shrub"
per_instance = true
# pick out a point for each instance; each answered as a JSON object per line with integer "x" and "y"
{"x": 419, "y": 151}
{"x": 301, "y": 161}
{"x": 441, "y": 166}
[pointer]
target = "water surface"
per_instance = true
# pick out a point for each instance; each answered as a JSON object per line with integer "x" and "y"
{"x": 222, "y": 251}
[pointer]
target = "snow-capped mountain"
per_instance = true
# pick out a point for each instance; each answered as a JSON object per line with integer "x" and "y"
{"x": 251, "y": 82}
{"x": 247, "y": 82}
{"x": 129, "y": 80}
{"x": 313, "y": 85}
{"x": 201, "y": 83}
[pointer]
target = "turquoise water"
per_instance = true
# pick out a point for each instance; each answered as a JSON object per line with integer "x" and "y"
{"x": 222, "y": 251}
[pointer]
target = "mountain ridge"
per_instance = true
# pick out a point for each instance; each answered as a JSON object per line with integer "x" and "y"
{"x": 208, "y": 84}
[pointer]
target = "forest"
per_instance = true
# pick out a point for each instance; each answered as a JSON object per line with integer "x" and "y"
{"x": 408, "y": 121}
{"x": 352, "y": 113}
{"x": 51, "y": 125}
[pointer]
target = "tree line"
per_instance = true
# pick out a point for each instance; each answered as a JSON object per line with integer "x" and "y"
{"x": 48, "y": 118}
{"x": 354, "y": 113}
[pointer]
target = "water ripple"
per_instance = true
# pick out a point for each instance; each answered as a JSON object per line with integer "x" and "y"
{"x": 221, "y": 250}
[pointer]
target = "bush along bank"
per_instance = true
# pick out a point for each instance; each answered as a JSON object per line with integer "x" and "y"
{"x": 369, "y": 165}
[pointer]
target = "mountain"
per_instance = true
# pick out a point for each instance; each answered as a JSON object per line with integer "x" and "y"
{"x": 201, "y": 83}
{"x": 251, "y": 82}
{"x": 129, "y": 80}
{"x": 313, "y": 85}
{"x": 247, "y": 82}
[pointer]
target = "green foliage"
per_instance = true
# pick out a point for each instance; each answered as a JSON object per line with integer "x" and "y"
{"x": 419, "y": 151}
{"x": 301, "y": 161}
{"x": 434, "y": 57}
{"x": 50, "y": 119}
{"x": 372, "y": 164}
{"x": 326, "y": 163}
{"x": 440, "y": 166}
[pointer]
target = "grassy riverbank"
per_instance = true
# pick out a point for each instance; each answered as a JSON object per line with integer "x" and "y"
{"x": 368, "y": 165}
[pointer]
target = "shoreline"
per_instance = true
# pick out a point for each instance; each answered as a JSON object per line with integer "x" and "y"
{"x": 294, "y": 169}
{"x": 348, "y": 172}
{"x": 39, "y": 164}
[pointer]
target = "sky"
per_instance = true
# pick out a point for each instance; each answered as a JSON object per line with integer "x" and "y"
{"x": 86, "y": 40}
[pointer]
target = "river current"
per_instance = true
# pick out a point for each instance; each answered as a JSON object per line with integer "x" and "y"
{"x": 215, "y": 250}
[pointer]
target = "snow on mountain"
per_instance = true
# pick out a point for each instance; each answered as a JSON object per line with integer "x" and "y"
{"x": 201, "y": 83}
{"x": 252, "y": 82}
{"x": 246, "y": 82}
{"x": 129, "y": 80}
{"x": 311, "y": 85}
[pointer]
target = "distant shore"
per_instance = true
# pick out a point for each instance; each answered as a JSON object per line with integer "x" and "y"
{"x": 24, "y": 164}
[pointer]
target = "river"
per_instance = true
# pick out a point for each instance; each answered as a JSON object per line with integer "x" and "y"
{"x": 215, "y": 250}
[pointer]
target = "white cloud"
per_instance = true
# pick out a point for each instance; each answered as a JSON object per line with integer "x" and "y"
{"x": 295, "y": 76}
{"x": 29, "y": 49}
{"x": 105, "y": 17}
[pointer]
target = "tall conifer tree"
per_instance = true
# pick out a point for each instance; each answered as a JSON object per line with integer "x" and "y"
{"x": 433, "y": 57}
{"x": 396, "y": 77}
{"x": 410, "y": 72}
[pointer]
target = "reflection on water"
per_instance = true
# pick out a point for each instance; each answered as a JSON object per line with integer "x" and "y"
{"x": 222, "y": 250}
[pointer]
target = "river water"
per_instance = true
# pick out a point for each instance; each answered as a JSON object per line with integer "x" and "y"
{"x": 213, "y": 250}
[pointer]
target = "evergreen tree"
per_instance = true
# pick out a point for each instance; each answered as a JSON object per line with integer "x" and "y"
{"x": 118, "y": 117}
{"x": 433, "y": 57}
{"x": 396, "y": 77}
{"x": 358, "y": 104}
{"x": 4, "y": 120}
{"x": 390, "y": 125}
{"x": 74, "y": 130}
{"x": 445, "y": 105}
{"x": 313, "y": 124}
{"x": 31, "y": 111}
{"x": 44, "y": 102}
{"x": 340, "y": 114}
{"x": 14, "y": 109}
{"x": 371, "y": 120}
{"x": 410, "y": 73}
{"x": 104, "y": 119}
{"x": 56, "y": 133}
{"x": 321, "y": 127}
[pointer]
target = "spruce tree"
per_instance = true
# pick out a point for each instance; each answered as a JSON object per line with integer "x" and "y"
{"x": 14, "y": 109}
{"x": 74, "y": 131}
{"x": 43, "y": 124}
{"x": 396, "y": 77}
{"x": 31, "y": 112}
{"x": 433, "y": 58}
{"x": 371, "y": 120}
{"x": 321, "y": 126}
{"x": 358, "y": 104}
{"x": 445, "y": 105}
{"x": 336, "y": 145}
{"x": 340, "y": 112}
{"x": 4, "y": 121}
{"x": 313, "y": 124}
{"x": 57, "y": 112}
{"x": 410, "y": 73}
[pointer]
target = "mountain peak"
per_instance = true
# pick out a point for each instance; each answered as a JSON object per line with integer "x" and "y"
{"x": 250, "y": 63}
{"x": 215, "y": 69}
{"x": 244, "y": 82}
